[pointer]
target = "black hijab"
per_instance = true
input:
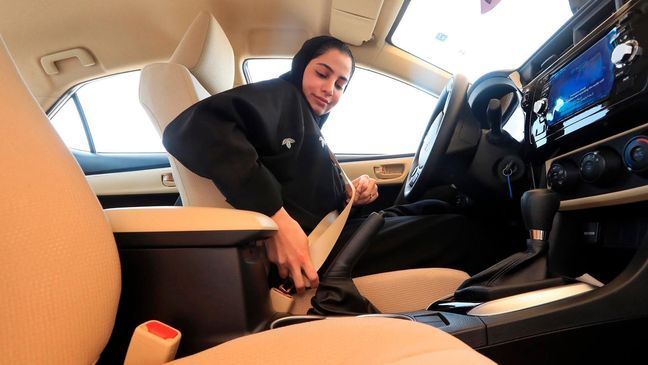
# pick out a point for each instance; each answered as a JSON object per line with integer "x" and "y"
{"x": 314, "y": 48}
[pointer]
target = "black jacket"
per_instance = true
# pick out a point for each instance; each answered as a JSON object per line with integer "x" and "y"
{"x": 263, "y": 149}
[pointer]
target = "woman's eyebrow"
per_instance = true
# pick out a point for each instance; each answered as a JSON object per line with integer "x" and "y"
{"x": 330, "y": 69}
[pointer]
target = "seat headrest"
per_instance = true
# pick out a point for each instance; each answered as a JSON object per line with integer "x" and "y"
{"x": 207, "y": 53}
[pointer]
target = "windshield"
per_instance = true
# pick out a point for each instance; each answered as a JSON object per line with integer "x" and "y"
{"x": 473, "y": 37}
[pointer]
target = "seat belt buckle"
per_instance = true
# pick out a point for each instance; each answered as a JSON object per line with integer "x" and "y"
{"x": 153, "y": 343}
{"x": 281, "y": 297}
{"x": 287, "y": 287}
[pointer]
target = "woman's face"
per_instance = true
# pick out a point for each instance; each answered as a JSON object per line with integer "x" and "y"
{"x": 325, "y": 78}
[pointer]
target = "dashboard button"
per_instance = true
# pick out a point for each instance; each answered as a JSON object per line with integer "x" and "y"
{"x": 600, "y": 167}
{"x": 625, "y": 53}
{"x": 562, "y": 176}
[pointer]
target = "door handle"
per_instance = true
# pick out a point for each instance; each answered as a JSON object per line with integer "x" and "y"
{"x": 167, "y": 180}
{"x": 390, "y": 171}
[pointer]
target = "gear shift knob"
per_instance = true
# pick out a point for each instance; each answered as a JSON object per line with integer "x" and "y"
{"x": 538, "y": 209}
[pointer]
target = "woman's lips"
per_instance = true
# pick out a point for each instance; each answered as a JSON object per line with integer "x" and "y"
{"x": 323, "y": 102}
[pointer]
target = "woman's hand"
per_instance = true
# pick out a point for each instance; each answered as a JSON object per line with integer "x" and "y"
{"x": 366, "y": 190}
{"x": 289, "y": 250}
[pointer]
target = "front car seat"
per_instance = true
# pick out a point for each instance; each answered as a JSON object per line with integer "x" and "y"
{"x": 60, "y": 269}
{"x": 203, "y": 65}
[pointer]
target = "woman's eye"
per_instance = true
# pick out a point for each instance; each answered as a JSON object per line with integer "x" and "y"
{"x": 339, "y": 87}
{"x": 321, "y": 75}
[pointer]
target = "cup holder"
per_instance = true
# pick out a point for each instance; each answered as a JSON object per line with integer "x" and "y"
{"x": 289, "y": 321}
{"x": 389, "y": 315}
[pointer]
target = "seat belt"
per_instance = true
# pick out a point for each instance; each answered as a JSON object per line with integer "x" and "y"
{"x": 326, "y": 233}
{"x": 320, "y": 241}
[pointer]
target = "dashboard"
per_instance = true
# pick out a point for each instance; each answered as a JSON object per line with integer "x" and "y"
{"x": 586, "y": 120}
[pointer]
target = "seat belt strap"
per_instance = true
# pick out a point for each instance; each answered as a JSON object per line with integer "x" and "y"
{"x": 326, "y": 233}
{"x": 320, "y": 241}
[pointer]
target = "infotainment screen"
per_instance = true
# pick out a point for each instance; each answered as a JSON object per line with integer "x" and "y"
{"x": 586, "y": 80}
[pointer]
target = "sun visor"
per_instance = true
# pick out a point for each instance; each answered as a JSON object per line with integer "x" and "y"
{"x": 354, "y": 21}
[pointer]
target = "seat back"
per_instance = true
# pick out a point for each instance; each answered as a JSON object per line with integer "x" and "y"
{"x": 202, "y": 65}
{"x": 59, "y": 267}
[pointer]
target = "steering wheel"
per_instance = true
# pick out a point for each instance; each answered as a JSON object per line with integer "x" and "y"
{"x": 432, "y": 154}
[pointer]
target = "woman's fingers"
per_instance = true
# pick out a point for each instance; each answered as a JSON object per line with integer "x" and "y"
{"x": 283, "y": 271}
{"x": 298, "y": 279}
{"x": 311, "y": 274}
{"x": 366, "y": 190}
{"x": 361, "y": 183}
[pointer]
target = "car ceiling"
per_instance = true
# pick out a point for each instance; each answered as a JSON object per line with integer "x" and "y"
{"x": 124, "y": 35}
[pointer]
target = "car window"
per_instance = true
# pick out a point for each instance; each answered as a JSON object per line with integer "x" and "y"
{"x": 376, "y": 115}
{"x": 69, "y": 126}
{"x": 515, "y": 125}
{"x": 109, "y": 110}
{"x": 475, "y": 37}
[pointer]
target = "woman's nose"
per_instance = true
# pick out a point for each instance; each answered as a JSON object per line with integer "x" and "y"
{"x": 328, "y": 88}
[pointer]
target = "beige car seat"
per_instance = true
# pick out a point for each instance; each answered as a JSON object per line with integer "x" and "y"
{"x": 203, "y": 65}
{"x": 60, "y": 271}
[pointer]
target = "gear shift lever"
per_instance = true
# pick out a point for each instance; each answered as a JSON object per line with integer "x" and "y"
{"x": 538, "y": 209}
{"x": 522, "y": 271}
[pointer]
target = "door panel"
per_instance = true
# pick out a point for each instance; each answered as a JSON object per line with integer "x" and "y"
{"x": 129, "y": 180}
{"x": 389, "y": 173}
{"x": 386, "y": 171}
{"x": 134, "y": 188}
{"x": 103, "y": 163}
{"x": 132, "y": 183}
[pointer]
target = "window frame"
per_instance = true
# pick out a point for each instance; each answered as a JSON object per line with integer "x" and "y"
{"x": 392, "y": 30}
{"x": 360, "y": 66}
{"x": 71, "y": 93}
{"x": 345, "y": 156}
{"x": 348, "y": 157}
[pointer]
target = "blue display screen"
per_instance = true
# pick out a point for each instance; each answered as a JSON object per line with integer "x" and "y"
{"x": 586, "y": 80}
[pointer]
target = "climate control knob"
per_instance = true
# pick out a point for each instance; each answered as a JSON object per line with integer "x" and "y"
{"x": 562, "y": 176}
{"x": 635, "y": 154}
{"x": 600, "y": 167}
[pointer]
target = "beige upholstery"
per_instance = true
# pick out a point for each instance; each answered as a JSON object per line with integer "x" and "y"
{"x": 409, "y": 290}
{"x": 59, "y": 269}
{"x": 202, "y": 64}
{"x": 60, "y": 276}
{"x": 398, "y": 291}
{"x": 187, "y": 219}
{"x": 343, "y": 341}
{"x": 207, "y": 53}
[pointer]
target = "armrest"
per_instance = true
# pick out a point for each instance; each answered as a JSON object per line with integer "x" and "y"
{"x": 187, "y": 226}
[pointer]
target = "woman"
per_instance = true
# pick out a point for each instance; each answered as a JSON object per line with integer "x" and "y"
{"x": 261, "y": 145}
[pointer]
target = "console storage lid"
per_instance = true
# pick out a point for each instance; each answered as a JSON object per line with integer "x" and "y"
{"x": 187, "y": 226}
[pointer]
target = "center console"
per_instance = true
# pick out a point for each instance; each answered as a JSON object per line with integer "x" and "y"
{"x": 586, "y": 139}
{"x": 198, "y": 269}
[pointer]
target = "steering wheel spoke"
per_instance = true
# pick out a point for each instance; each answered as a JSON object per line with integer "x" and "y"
{"x": 432, "y": 151}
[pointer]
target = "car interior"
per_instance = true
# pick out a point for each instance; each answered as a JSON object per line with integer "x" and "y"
{"x": 127, "y": 256}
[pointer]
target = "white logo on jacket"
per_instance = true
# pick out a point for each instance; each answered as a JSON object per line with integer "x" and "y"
{"x": 288, "y": 142}
{"x": 321, "y": 139}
